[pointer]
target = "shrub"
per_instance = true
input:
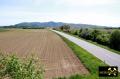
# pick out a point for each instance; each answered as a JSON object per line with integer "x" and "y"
{"x": 86, "y": 34}
{"x": 12, "y": 67}
{"x": 75, "y": 32}
{"x": 80, "y": 31}
{"x": 61, "y": 27}
{"x": 103, "y": 39}
{"x": 65, "y": 28}
{"x": 115, "y": 40}
{"x": 94, "y": 34}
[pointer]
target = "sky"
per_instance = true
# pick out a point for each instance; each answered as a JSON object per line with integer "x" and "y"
{"x": 96, "y": 12}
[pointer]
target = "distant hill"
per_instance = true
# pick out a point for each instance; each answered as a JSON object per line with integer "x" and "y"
{"x": 53, "y": 24}
{"x": 40, "y": 24}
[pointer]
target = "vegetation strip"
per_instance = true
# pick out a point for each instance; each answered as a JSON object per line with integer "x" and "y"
{"x": 3, "y": 30}
{"x": 90, "y": 61}
{"x": 106, "y": 37}
{"x": 95, "y": 43}
{"x": 12, "y": 67}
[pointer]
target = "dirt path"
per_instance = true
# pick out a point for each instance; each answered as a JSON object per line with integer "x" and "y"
{"x": 57, "y": 58}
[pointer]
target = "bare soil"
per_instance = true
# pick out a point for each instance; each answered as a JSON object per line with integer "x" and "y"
{"x": 56, "y": 57}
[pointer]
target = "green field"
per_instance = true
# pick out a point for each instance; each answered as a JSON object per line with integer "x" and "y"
{"x": 3, "y": 30}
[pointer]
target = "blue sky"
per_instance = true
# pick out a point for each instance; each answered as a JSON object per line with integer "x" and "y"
{"x": 98, "y": 12}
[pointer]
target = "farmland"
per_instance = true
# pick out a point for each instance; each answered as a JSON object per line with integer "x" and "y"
{"x": 53, "y": 53}
{"x": 3, "y": 30}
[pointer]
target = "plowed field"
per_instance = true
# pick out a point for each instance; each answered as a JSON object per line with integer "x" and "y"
{"x": 56, "y": 57}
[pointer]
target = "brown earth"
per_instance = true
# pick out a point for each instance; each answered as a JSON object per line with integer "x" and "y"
{"x": 57, "y": 58}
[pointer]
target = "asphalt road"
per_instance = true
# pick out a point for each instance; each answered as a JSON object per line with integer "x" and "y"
{"x": 106, "y": 56}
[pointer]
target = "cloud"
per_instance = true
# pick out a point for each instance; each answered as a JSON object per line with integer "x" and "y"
{"x": 100, "y": 12}
{"x": 73, "y": 17}
{"x": 87, "y": 2}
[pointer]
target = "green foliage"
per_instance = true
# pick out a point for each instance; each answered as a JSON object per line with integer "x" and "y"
{"x": 80, "y": 30}
{"x": 61, "y": 27}
{"x": 91, "y": 63}
{"x": 65, "y": 28}
{"x": 87, "y": 77}
{"x": 105, "y": 45}
{"x": 33, "y": 27}
{"x": 94, "y": 34}
{"x": 75, "y": 32}
{"x": 115, "y": 40}
{"x": 13, "y": 68}
{"x": 3, "y": 30}
{"x": 86, "y": 34}
{"x": 103, "y": 39}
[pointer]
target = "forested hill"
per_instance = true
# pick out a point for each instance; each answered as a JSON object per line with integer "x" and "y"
{"x": 53, "y": 24}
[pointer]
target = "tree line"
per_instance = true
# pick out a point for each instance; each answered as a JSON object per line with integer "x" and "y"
{"x": 107, "y": 38}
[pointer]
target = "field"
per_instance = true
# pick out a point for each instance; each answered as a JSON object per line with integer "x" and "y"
{"x": 3, "y": 30}
{"x": 55, "y": 56}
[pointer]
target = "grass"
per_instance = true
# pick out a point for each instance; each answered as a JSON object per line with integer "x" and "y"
{"x": 89, "y": 61}
{"x": 3, "y": 30}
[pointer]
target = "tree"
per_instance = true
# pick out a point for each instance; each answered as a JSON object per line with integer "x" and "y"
{"x": 65, "y": 28}
{"x": 103, "y": 39}
{"x": 61, "y": 27}
{"x": 86, "y": 33}
{"x": 80, "y": 31}
{"x": 75, "y": 32}
{"x": 95, "y": 33}
{"x": 115, "y": 40}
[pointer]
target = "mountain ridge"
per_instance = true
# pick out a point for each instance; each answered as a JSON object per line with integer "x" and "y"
{"x": 55, "y": 24}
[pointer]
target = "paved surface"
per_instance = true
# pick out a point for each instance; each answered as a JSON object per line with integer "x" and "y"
{"x": 107, "y": 56}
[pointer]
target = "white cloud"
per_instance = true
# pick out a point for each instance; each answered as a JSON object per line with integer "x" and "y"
{"x": 102, "y": 12}
{"x": 87, "y": 2}
{"x": 73, "y": 17}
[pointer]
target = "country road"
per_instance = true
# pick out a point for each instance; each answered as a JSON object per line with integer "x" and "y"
{"x": 106, "y": 56}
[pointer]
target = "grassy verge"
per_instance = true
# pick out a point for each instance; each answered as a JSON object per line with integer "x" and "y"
{"x": 90, "y": 62}
{"x": 95, "y": 43}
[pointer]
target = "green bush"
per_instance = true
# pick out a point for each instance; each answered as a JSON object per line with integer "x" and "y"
{"x": 65, "y": 28}
{"x": 80, "y": 31}
{"x": 94, "y": 34}
{"x": 86, "y": 33}
{"x": 75, "y": 32}
{"x": 103, "y": 39}
{"x": 12, "y": 67}
{"x": 107, "y": 38}
{"x": 115, "y": 40}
